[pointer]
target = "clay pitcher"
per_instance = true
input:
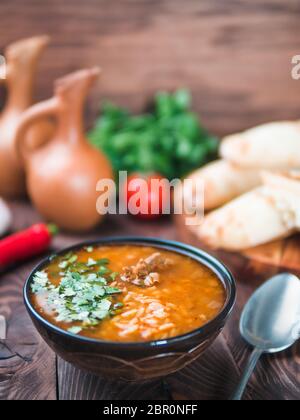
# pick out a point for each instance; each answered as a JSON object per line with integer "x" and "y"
{"x": 20, "y": 70}
{"x": 63, "y": 173}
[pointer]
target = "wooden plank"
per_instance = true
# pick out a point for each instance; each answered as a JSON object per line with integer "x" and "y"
{"x": 234, "y": 56}
{"x": 77, "y": 385}
{"x": 74, "y": 384}
{"x": 27, "y": 365}
{"x": 213, "y": 376}
{"x": 33, "y": 374}
{"x": 277, "y": 376}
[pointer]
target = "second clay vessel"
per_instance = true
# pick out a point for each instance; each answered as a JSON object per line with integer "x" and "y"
{"x": 18, "y": 75}
{"x": 63, "y": 173}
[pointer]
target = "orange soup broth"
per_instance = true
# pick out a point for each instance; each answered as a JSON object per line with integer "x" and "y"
{"x": 187, "y": 296}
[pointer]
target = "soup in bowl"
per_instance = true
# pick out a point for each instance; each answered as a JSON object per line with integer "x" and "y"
{"x": 131, "y": 308}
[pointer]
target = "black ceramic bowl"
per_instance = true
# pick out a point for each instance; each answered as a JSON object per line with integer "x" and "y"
{"x": 136, "y": 361}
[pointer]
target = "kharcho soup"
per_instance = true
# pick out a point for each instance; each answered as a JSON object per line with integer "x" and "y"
{"x": 127, "y": 293}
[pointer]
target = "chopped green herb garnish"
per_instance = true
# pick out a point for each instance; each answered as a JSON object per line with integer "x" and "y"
{"x": 91, "y": 262}
{"x": 72, "y": 259}
{"x": 89, "y": 249}
{"x": 75, "y": 330}
{"x": 111, "y": 290}
{"x": 63, "y": 264}
{"x": 103, "y": 261}
{"x": 40, "y": 282}
{"x": 103, "y": 270}
{"x": 118, "y": 305}
{"x": 68, "y": 256}
{"x": 76, "y": 276}
{"x": 83, "y": 296}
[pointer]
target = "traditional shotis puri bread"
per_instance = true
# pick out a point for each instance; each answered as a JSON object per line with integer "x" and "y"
{"x": 224, "y": 181}
{"x": 267, "y": 213}
{"x": 274, "y": 146}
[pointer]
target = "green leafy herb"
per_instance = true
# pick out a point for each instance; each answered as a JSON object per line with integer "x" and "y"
{"x": 91, "y": 262}
{"x": 75, "y": 330}
{"x": 170, "y": 140}
{"x": 40, "y": 281}
{"x": 118, "y": 305}
{"x": 103, "y": 270}
{"x": 81, "y": 297}
{"x": 111, "y": 290}
{"x": 103, "y": 261}
{"x": 89, "y": 249}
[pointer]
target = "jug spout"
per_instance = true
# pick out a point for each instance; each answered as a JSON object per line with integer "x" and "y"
{"x": 71, "y": 92}
{"x": 25, "y": 50}
{"x": 21, "y": 63}
{"x": 74, "y": 87}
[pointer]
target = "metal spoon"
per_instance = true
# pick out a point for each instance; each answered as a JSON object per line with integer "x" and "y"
{"x": 270, "y": 321}
{"x": 2, "y": 328}
{"x": 6, "y": 351}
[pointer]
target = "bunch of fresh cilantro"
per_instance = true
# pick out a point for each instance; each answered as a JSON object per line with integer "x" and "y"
{"x": 169, "y": 140}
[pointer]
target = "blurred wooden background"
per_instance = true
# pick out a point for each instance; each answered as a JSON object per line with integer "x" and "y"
{"x": 234, "y": 55}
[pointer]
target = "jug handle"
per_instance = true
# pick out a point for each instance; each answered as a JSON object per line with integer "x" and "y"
{"x": 36, "y": 112}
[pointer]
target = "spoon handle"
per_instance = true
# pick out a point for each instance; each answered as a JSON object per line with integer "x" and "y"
{"x": 254, "y": 358}
{"x": 2, "y": 327}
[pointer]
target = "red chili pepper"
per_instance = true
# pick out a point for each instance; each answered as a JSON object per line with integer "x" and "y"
{"x": 26, "y": 244}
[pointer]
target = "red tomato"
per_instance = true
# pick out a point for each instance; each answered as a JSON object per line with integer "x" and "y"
{"x": 153, "y": 199}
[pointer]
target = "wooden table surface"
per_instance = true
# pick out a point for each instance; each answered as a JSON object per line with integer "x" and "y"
{"x": 30, "y": 370}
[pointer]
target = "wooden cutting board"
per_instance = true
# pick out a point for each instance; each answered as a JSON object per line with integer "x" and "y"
{"x": 284, "y": 254}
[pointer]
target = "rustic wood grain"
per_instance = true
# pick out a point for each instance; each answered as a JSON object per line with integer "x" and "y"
{"x": 76, "y": 385}
{"x": 34, "y": 373}
{"x": 235, "y": 56}
{"x": 284, "y": 254}
{"x": 277, "y": 377}
{"x": 27, "y": 365}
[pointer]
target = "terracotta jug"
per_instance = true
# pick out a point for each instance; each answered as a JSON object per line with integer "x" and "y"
{"x": 20, "y": 70}
{"x": 63, "y": 173}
